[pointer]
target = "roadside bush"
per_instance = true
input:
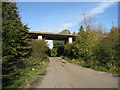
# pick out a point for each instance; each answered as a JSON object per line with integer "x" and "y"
{"x": 59, "y": 45}
{"x": 39, "y": 49}
{"x": 53, "y": 52}
{"x": 68, "y": 51}
{"x": 26, "y": 65}
{"x": 95, "y": 49}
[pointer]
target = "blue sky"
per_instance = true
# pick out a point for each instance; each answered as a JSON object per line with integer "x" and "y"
{"x": 56, "y": 16}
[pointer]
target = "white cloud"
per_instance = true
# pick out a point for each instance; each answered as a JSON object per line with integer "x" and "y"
{"x": 101, "y": 8}
{"x": 94, "y": 11}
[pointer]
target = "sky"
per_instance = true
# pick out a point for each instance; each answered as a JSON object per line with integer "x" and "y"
{"x": 56, "y": 16}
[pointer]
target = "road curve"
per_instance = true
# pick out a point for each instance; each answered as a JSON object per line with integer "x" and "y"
{"x": 67, "y": 75}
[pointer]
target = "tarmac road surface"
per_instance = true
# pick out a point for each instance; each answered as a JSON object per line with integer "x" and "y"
{"x": 60, "y": 74}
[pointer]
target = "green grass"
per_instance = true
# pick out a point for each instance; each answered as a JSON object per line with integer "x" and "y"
{"x": 26, "y": 76}
{"x": 98, "y": 68}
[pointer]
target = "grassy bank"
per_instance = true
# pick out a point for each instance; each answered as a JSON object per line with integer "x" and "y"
{"x": 114, "y": 70}
{"x": 25, "y": 76}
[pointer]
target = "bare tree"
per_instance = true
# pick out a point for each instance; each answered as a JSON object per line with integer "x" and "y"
{"x": 88, "y": 20}
{"x": 100, "y": 28}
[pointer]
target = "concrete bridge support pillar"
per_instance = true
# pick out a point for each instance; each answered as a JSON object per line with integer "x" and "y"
{"x": 70, "y": 40}
{"x": 40, "y": 37}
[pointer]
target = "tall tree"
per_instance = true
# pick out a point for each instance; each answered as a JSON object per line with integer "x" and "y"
{"x": 88, "y": 20}
{"x": 16, "y": 41}
{"x": 79, "y": 44}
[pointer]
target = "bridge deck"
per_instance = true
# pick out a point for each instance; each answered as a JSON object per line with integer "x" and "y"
{"x": 51, "y": 36}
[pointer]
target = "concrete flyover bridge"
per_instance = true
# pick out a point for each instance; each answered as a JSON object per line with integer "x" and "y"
{"x": 52, "y": 36}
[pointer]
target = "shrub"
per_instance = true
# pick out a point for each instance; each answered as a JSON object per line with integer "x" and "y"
{"x": 39, "y": 49}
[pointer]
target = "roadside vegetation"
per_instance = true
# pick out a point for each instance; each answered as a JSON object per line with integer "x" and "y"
{"x": 22, "y": 57}
{"x": 93, "y": 48}
{"x": 98, "y": 50}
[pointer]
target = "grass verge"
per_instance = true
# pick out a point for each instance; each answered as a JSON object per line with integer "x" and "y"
{"x": 113, "y": 70}
{"x": 23, "y": 77}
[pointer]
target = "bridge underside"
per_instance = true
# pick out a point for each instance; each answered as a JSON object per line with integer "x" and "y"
{"x": 51, "y": 36}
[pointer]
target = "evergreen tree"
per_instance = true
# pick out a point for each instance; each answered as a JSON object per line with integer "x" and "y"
{"x": 81, "y": 29}
{"x": 79, "y": 44}
{"x": 15, "y": 40}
